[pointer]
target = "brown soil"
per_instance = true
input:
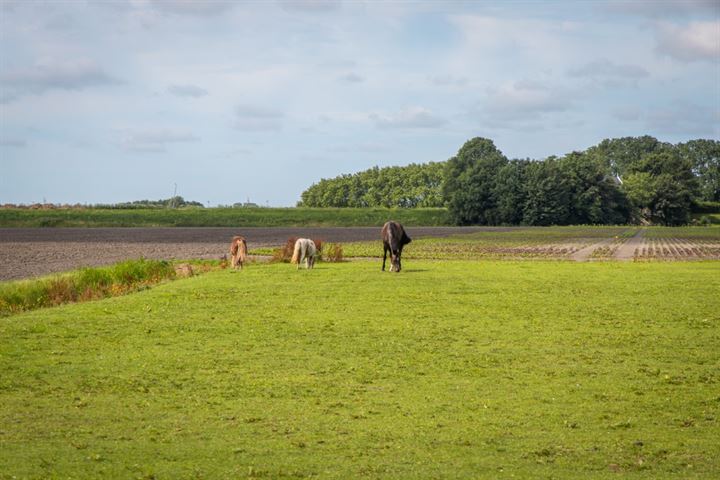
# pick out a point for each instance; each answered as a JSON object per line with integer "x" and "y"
{"x": 32, "y": 252}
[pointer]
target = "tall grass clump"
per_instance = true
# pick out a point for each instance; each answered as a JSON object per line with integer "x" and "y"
{"x": 85, "y": 284}
{"x": 333, "y": 252}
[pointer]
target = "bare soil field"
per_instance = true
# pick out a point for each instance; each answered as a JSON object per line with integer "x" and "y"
{"x": 32, "y": 252}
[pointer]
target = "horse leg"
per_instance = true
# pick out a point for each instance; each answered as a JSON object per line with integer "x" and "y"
{"x": 385, "y": 250}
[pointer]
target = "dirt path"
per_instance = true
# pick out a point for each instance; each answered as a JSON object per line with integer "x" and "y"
{"x": 626, "y": 251}
{"x": 583, "y": 255}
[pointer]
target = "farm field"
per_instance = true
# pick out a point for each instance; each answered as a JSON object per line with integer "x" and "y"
{"x": 578, "y": 243}
{"x": 219, "y": 217}
{"x": 31, "y": 252}
{"x": 457, "y": 369}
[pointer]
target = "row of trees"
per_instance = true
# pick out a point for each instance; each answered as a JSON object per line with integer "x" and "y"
{"x": 631, "y": 179}
{"x": 408, "y": 187}
{"x": 173, "y": 202}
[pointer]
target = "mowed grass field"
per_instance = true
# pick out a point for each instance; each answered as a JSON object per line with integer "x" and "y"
{"x": 449, "y": 369}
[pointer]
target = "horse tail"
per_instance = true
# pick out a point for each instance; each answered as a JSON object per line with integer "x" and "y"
{"x": 234, "y": 246}
{"x": 296, "y": 252}
{"x": 242, "y": 249}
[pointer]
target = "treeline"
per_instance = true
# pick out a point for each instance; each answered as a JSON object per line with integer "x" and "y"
{"x": 407, "y": 187}
{"x": 624, "y": 180}
{"x": 172, "y": 202}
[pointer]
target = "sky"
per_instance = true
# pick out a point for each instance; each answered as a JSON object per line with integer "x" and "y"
{"x": 234, "y": 101}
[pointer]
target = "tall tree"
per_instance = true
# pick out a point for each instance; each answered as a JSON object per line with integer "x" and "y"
{"x": 548, "y": 194}
{"x": 510, "y": 192}
{"x": 705, "y": 158}
{"x": 663, "y": 187}
{"x": 620, "y": 154}
{"x": 470, "y": 179}
{"x": 595, "y": 195}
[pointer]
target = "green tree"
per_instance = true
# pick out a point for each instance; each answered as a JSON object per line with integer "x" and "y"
{"x": 470, "y": 180}
{"x": 547, "y": 194}
{"x": 663, "y": 188}
{"x": 594, "y": 194}
{"x": 510, "y": 192}
{"x": 705, "y": 158}
{"x": 621, "y": 154}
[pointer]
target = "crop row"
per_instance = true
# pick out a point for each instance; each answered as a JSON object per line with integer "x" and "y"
{"x": 677, "y": 249}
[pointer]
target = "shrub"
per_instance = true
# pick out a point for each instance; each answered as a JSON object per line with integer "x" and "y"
{"x": 284, "y": 253}
{"x": 333, "y": 252}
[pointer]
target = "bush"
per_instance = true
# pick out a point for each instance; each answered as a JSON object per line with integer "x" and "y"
{"x": 284, "y": 253}
{"x": 333, "y": 252}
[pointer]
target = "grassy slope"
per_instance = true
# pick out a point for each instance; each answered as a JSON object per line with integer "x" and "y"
{"x": 460, "y": 369}
{"x": 221, "y": 217}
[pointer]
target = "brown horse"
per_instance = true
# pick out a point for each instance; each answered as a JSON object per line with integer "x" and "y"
{"x": 238, "y": 250}
{"x": 394, "y": 239}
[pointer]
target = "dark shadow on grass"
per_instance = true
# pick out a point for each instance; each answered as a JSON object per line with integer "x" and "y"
{"x": 412, "y": 270}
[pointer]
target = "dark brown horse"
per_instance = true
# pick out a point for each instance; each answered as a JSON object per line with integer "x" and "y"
{"x": 394, "y": 239}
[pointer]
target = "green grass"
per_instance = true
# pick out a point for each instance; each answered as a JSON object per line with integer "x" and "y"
{"x": 221, "y": 217}
{"x": 447, "y": 370}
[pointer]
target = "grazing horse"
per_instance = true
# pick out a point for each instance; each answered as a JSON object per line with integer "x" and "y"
{"x": 304, "y": 250}
{"x": 394, "y": 239}
{"x": 238, "y": 250}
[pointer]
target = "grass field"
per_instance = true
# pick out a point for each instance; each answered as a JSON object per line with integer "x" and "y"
{"x": 221, "y": 217}
{"x": 450, "y": 369}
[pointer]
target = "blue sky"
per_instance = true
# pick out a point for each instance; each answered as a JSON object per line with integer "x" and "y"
{"x": 112, "y": 101}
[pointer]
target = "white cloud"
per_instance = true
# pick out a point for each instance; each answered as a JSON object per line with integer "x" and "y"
{"x": 664, "y": 8}
{"x": 696, "y": 41}
{"x": 681, "y": 117}
{"x": 193, "y": 7}
{"x": 525, "y": 100}
{"x": 155, "y": 140}
{"x": 408, "y": 118}
{"x": 45, "y": 76}
{"x": 604, "y": 68}
{"x": 187, "y": 91}
{"x": 448, "y": 80}
{"x": 351, "y": 77}
{"x": 256, "y": 118}
{"x": 310, "y": 5}
{"x": 674, "y": 118}
{"x": 13, "y": 142}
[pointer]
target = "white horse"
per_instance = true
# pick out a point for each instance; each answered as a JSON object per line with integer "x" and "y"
{"x": 304, "y": 250}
